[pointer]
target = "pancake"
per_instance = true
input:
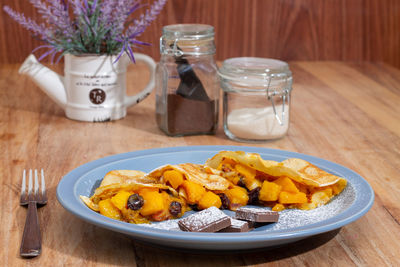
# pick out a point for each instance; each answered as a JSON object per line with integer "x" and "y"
{"x": 199, "y": 185}
{"x": 207, "y": 177}
{"x": 292, "y": 183}
{"x": 153, "y": 200}
{"x": 124, "y": 176}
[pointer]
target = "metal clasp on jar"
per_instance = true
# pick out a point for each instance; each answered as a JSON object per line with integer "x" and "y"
{"x": 174, "y": 51}
{"x": 282, "y": 93}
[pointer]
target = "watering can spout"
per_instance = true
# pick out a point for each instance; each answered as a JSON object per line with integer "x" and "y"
{"x": 48, "y": 81}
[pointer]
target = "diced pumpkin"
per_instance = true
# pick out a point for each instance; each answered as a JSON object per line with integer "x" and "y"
{"x": 248, "y": 176}
{"x": 320, "y": 198}
{"x": 226, "y": 165}
{"x": 269, "y": 191}
{"x": 234, "y": 179}
{"x": 174, "y": 178}
{"x": 338, "y": 187}
{"x": 278, "y": 207}
{"x": 306, "y": 206}
{"x": 245, "y": 171}
{"x": 209, "y": 199}
{"x": 302, "y": 188}
{"x": 229, "y": 161}
{"x": 120, "y": 199}
{"x": 154, "y": 202}
{"x": 237, "y": 196}
{"x": 328, "y": 191}
{"x": 252, "y": 184}
{"x": 287, "y": 184}
{"x": 194, "y": 191}
{"x": 292, "y": 198}
{"x": 106, "y": 208}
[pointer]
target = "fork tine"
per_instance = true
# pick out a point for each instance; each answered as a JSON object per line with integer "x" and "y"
{"x": 36, "y": 183}
{"x": 30, "y": 182}
{"x": 23, "y": 186}
{"x": 43, "y": 184}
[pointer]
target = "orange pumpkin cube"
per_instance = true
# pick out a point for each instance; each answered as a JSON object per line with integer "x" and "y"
{"x": 269, "y": 191}
{"x": 287, "y": 184}
{"x": 338, "y": 187}
{"x": 174, "y": 178}
{"x": 209, "y": 199}
{"x": 106, "y": 208}
{"x": 292, "y": 198}
{"x": 237, "y": 196}
{"x": 194, "y": 192}
{"x": 120, "y": 199}
{"x": 321, "y": 197}
{"x": 278, "y": 207}
{"x": 153, "y": 202}
{"x": 245, "y": 171}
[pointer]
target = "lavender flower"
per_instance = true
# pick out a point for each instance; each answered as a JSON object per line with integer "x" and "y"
{"x": 96, "y": 26}
{"x": 138, "y": 27}
{"x": 38, "y": 30}
{"x": 151, "y": 14}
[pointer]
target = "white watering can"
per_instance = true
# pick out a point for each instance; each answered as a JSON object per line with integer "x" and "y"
{"x": 94, "y": 87}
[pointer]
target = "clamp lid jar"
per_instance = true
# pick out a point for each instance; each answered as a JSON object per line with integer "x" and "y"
{"x": 187, "y": 87}
{"x": 256, "y": 98}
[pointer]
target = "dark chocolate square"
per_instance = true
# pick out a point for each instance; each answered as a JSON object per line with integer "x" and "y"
{"x": 209, "y": 220}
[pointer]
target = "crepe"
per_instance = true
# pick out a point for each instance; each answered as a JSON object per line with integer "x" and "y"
{"x": 111, "y": 198}
{"x": 292, "y": 183}
{"x": 124, "y": 176}
{"x": 207, "y": 177}
{"x": 200, "y": 186}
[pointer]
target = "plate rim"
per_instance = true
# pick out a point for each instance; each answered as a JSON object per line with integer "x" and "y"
{"x": 153, "y": 234}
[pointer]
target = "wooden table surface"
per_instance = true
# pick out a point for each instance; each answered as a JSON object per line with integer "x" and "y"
{"x": 348, "y": 113}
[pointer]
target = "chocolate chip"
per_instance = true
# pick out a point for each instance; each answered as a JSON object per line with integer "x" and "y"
{"x": 253, "y": 195}
{"x": 194, "y": 207}
{"x": 175, "y": 208}
{"x": 135, "y": 202}
{"x": 241, "y": 182}
{"x": 225, "y": 201}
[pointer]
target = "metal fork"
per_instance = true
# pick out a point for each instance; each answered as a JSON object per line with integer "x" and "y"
{"x": 31, "y": 244}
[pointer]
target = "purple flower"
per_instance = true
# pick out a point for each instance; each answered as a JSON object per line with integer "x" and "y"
{"x": 38, "y": 30}
{"x": 140, "y": 25}
{"x": 96, "y": 26}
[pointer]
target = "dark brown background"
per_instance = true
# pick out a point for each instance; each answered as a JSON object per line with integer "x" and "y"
{"x": 349, "y": 30}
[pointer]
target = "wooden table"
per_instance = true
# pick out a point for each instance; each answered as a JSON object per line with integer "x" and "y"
{"x": 348, "y": 113}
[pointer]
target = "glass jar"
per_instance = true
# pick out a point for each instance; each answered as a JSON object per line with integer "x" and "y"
{"x": 256, "y": 98}
{"x": 187, "y": 84}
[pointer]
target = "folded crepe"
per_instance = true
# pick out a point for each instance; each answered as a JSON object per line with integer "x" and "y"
{"x": 201, "y": 186}
{"x": 292, "y": 183}
{"x": 133, "y": 197}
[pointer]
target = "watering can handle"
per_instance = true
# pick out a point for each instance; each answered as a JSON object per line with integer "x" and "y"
{"x": 134, "y": 99}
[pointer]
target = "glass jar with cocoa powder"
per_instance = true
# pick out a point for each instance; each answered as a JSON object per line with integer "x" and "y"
{"x": 187, "y": 84}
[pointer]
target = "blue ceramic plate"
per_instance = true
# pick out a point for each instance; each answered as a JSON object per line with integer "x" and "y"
{"x": 293, "y": 225}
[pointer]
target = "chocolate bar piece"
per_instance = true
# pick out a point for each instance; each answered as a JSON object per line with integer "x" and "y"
{"x": 256, "y": 215}
{"x": 238, "y": 226}
{"x": 209, "y": 220}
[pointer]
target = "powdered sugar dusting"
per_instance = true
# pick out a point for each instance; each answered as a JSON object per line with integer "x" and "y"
{"x": 170, "y": 225}
{"x": 204, "y": 219}
{"x": 256, "y": 210}
{"x": 288, "y": 219}
{"x": 237, "y": 223}
{"x": 292, "y": 218}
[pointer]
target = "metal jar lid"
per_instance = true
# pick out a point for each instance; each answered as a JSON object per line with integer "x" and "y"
{"x": 259, "y": 75}
{"x": 255, "y": 71}
{"x": 187, "y": 39}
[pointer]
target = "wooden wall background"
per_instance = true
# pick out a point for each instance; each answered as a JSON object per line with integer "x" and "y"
{"x": 348, "y": 30}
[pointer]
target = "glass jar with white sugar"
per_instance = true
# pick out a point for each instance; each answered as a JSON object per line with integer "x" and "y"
{"x": 256, "y": 98}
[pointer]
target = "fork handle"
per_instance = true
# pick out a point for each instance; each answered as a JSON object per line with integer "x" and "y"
{"x": 31, "y": 244}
